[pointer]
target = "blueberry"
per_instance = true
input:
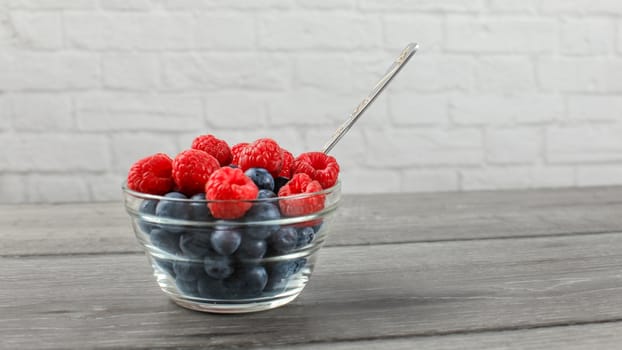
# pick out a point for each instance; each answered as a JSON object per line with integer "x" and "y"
{"x": 279, "y": 182}
{"x": 173, "y": 209}
{"x": 264, "y": 194}
{"x": 217, "y": 266}
{"x": 187, "y": 270}
{"x": 225, "y": 241}
{"x": 165, "y": 265}
{"x": 318, "y": 226}
{"x": 249, "y": 281}
{"x": 147, "y": 207}
{"x": 305, "y": 236}
{"x": 261, "y": 177}
{"x": 211, "y": 288}
{"x": 188, "y": 287}
{"x": 165, "y": 240}
{"x": 282, "y": 271}
{"x": 261, "y": 212}
{"x": 284, "y": 240}
{"x": 198, "y": 208}
{"x": 252, "y": 249}
{"x": 195, "y": 244}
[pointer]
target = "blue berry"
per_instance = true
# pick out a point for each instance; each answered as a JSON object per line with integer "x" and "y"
{"x": 198, "y": 208}
{"x": 217, "y": 266}
{"x": 165, "y": 240}
{"x": 211, "y": 288}
{"x": 187, "y": 270}
{"x": 147, "y": 207}
{"x": 195, "y": 244}
{"x": 173, "y": 209}
{"x": 249, "y": 281}
{"x": 262, "y": 211}
{"x": 165, "y": 265}
{"x": 265, "y": 194}
{"x": 282, "y": 271}
{"x": 261, "y": 177}
{"x": 284, "y": 240}
{"x": 305, "y": 236}
{"x": 225, "y": 241}
{"x": 188, "y": 287}
{"x": 252, "y": 249}
{"x": 279, "y": 182}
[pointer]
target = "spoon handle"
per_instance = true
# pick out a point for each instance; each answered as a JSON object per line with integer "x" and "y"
{"x": 398, "y": 63}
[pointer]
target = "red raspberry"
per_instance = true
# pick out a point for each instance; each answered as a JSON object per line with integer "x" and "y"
{"x": 263, "y": 153}
{"x": 288, "y": 160}
{"x": 234, "y": 189}
{"x": 191, "y": 170}
{"x": 151, "y": 175}
{"x": 215, "y": 147}
{"x": 236, "y": 151}
{"x": 301, "y": 183}
{"x": 319, "y": 166}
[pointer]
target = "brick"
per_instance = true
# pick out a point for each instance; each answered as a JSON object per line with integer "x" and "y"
{"x": 215, "y": 72}
{"x": 38, "y": 30}
{"x": 435, "y": 73}
{"x": 306, "y": 108}
{"x": 406, "y": 147}
{"x": 350, "y": 152}
{"x": 127, "y": 148}
{"x": 501, "y": 35}
{"x": 505, "y": 109}
{"x": 599, "y": 175}
{"x": 594, "y": 107}
{"x": 513, "y": 145}
{"x": 430, "y": 180}
{"x": 495, "y": 178}
{"x": 327, "y": 5}
{"x": 41, "y": 112}
{"x": 58, "y": 152}
{"x": 5, "y": 112}
{"x": 584, "y": 144}
{"x": 52, "y": 188}
{"x": 235, "y": 110}
{"x": 48, "y": 71}
{"x": 220, "y": 31}
{"x": 12, "y": 189}
{"x": 505, "y": 6}
{"x": 125, "y": 5}
{"x": 552, "y": 176}
{"x": 268, "y": 5}
{"x": 126, "y": 31}
{"x": 51, "y": 4}
{"x": 593, "y": 36}
{"x": 581, "y": 74}
{"x": 604, "y": 7}
{"x": 369, "y": 181}
{"x": 130, "y": 71}
{"x": 401, "y": 29}
{"x": 105, "y": 187}
{"x": 7, "y": 33}
{"x": 331, "y": 72}
{"x": 114, "y": 112}
{"x": 504, "y": 74}
{"x": 409, "y": 108}
{"x": 319, "y": 31}
{"x": 422, "y": 5}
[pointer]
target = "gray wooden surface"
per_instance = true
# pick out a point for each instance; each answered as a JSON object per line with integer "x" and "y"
{"x": 482, "y": 270}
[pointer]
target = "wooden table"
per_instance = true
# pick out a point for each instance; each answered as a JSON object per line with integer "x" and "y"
{"x": 513, "y": 269}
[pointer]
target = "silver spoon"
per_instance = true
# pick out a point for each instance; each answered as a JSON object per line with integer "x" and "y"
{"x": 398, "y": 63}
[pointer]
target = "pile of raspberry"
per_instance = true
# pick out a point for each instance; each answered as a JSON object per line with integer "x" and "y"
{"x": 232, "y": 176}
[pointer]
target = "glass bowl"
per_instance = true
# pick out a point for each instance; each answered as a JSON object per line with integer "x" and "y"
{"x": 257, "y": 262}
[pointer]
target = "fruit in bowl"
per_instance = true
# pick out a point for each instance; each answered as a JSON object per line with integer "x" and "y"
{"x": 232, "y": 229}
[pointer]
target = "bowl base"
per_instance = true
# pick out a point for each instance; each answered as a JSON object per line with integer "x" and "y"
{"x": 232, "y": 307}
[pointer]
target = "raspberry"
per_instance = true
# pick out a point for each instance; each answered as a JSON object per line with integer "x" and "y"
{"x": 301, "y": 183}
{"x": 236, "y": 151}
{"x": 319, "y": 166}
{"x": 191, "y": 170}
{"x": 288, "y": 159}
{"x": 151, "y": 175}
{"x": 263, "y": 153}
{"x": 234, "y": 189}
{"x": 215, "y": 147}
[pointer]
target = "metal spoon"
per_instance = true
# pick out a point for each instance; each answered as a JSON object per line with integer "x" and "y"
{"x": 397, "y": 65}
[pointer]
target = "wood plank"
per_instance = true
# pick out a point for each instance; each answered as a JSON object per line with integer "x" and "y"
{"x": 577, "y": 337}
{"x": 361, "y": 219}
{"x": 358, "y": 292}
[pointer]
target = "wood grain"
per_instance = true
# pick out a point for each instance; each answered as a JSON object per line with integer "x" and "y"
{"x": 362, "y": 219}
{"x": 357, "y": 293}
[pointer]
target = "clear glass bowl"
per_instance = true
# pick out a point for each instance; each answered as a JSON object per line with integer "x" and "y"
{"x": 258, "y": 262}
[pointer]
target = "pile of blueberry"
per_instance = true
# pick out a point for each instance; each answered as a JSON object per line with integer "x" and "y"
{"x": 229, "y": 259}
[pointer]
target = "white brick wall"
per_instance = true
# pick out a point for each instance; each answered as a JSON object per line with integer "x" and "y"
{"x": 503, "y": 94}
